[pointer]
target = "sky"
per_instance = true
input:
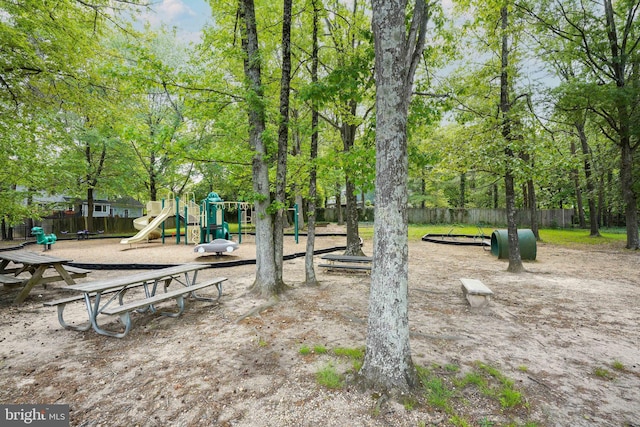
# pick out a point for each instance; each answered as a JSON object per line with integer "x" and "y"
{"x": 188, "y": 16}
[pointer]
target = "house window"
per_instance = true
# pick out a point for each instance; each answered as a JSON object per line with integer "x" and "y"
{"x": 99, "y": 208}
{"x": 126, "y": 213}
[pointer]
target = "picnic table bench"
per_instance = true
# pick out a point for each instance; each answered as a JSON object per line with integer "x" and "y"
{"x": 115, "y": 289}
{"x": 347, "y": 262}
{"x": 14, "y": 263}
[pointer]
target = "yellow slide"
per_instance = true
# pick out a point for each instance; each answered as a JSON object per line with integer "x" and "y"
{"x": 150, "y": 228}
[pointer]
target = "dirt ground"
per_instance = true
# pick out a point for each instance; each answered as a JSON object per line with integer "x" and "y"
{"x": 567, "y": 332}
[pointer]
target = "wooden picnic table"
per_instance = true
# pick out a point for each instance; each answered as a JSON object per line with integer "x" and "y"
{"x": 106, "y": 296}
{"x": 13, "y": 263}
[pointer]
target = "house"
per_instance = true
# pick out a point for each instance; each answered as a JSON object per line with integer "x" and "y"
{"x": 64, "y": 206}
{"x": 123, "y": 207}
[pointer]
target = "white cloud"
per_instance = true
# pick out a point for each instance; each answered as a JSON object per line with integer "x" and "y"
{"x": 173, "y": 9}
{"x": 168, "y": 12}
{"x": 187, "y": 16}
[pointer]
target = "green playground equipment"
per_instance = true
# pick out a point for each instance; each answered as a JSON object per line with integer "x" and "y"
{"x": 43, "y": 239}
{"x": 212, "y": 223}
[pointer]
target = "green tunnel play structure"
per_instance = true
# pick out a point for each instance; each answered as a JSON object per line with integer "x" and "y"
{"x": 526, "y": 243}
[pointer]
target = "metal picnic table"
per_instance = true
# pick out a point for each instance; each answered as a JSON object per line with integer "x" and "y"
{"x": 114, "y": 289}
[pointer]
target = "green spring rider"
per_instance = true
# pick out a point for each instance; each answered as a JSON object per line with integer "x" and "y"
{"x": 43, "y": 239}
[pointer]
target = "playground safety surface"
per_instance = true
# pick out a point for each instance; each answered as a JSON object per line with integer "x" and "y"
{"x": 554, "y": 330}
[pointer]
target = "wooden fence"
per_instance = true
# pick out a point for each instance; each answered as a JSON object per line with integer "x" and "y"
{"x": 70, "y": 226}
{"x": 548, "y": 218}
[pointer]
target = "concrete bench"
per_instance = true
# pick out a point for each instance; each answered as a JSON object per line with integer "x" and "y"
{"x": 347, "y": 262}
{"x": 476, "y": 292}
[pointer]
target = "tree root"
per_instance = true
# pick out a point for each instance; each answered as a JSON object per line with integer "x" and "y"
{"x": 257, "y": 310}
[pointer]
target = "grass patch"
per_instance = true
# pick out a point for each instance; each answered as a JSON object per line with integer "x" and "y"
{"x": 351, "y": 353}
{"x": 508, "y": 396}
{"x": 450, "y": 394}
{"x": 320, "y": 349}
{"x": 304, "y": 350}
{"x": 329, "y": 377}
{"x": 563, "y": 237}
{"x": 437, "y": 393}
{"x": 603, "y": 373}
{"x": 356, "y": 355}
{"x": 569, "y": 237}
{"x": 618, "y": 366}
{"x": 451, "y": 368}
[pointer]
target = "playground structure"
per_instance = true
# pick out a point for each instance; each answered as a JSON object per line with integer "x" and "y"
{"x": 198, "y": 222}
{"x": 450, "y": 238}
{"x": 217, "y": 246}
{"x": 498, "y": 243}
{"x": 43, "y": 239}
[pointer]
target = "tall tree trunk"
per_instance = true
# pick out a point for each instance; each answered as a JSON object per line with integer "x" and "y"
{"x": 266, "y": 283}
{"x": 591, "y": 190}
{"x": 530, "y": 198}
{"x": 283, "y": 140}
{"x": 515, "y": 261}
{"x": 387, "y": 362}
{"x": 88, "y": 225}
{"x": 309, "y": 270}
{"x": 629, "y": 195}
{"x": 619, "y": 61}
{"x": 339, "y": 216}
{"x": 348, "y": 133}
{"x": 463, "y": 182}
{"x": 533, "y": 209}
{"x": 575, "y": 176}
{"x": 423, "y": 189}
{"x": 153, "y": 189}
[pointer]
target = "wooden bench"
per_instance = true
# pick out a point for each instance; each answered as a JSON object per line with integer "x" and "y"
{"x": 125, "y": 310}
{"x": 476, "y": 292}
{"x": 9, "y": 280}
{"x": 347, "y": 262}
{"x": 74, "y": 272}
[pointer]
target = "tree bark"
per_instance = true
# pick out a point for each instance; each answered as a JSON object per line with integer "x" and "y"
{"x": 388, "y": 361}
{"x": 265, "y": 284}
{"x": 348, "y": 133}
{"x": 591, "y": 190}
{"x": 575, "y": 176}
{"x": 309, "y": 270}
{"x": 283, "y": 139}
{"x": 515, "y": 261}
